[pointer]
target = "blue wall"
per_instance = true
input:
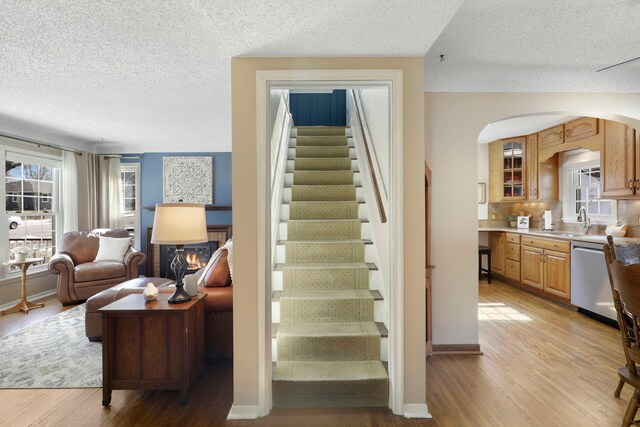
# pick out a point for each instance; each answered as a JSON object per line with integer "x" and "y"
{"x": 319, "y": 109}
{"x": 151, "y": 187}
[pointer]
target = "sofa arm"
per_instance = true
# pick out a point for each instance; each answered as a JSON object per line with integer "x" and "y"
{"x": 132, "y": 259}
{"x": 62, "y": 265}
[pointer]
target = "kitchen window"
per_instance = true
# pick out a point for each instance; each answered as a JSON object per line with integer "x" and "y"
{"x": 32, "y": 195}
{"x": 582, "y": 188}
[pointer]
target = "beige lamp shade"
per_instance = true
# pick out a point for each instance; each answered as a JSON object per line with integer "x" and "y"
{"x": 179, "y": 224}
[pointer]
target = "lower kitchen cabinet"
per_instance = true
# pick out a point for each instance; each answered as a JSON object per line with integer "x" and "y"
{"x": 557, "y": 274}
{"x": 532, "y": 266}
{"x": 497, "y": 245}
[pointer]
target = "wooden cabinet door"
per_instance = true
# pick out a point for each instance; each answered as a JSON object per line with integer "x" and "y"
{"x": 496, "y": 243}
{"x": 617, "y": 160}
{"x": 495, "y": 171}
{"x": 551, "y": 137}
{"x": 512, "y": 270}
{"x": 548, "y": 181}
{"x": 557, "y": 274}
{"x": 580, "y": 129}
{"x": 532, "y": 167}
{"x": 532, "y": 266}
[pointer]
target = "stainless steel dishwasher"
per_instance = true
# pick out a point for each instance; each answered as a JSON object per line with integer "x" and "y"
{"x": 590, "y": 288}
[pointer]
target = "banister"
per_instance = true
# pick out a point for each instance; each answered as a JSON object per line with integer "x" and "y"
{"x": 372, "y": 172}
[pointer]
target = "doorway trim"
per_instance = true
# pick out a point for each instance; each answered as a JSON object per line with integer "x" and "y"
{"x": 336, "y": 78}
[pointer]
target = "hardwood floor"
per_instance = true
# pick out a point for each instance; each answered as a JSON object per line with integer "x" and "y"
{"x": 543, "y": 365}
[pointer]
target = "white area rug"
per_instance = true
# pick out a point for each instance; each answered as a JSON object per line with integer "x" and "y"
{"x": 54, "y": 353}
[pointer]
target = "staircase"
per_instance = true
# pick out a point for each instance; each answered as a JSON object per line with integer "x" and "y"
{"x": 328, "y": 344}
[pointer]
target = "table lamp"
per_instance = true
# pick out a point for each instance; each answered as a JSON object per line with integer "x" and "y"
{"x": 179, "y": 224}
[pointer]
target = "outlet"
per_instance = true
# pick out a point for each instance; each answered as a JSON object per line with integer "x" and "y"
{"x": 493, "y": 217}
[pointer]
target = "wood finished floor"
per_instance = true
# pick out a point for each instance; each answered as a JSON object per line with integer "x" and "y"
{"x": 556, "y": 369}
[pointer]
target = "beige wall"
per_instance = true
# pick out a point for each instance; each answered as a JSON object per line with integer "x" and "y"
{"x": 245, "y": 213}
{"x": 453, "y": 123}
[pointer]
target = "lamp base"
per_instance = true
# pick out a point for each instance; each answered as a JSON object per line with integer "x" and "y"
{"x": 179, "y": 296}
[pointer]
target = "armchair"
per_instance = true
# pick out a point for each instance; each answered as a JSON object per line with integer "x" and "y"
{"x": 79, "y": 276}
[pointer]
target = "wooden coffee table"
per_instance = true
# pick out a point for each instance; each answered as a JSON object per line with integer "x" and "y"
{"x": 152, "y": 345}
{"x": 23, "y": 305}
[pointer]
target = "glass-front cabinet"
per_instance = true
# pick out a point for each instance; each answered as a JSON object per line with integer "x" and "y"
{"x": 513, "y": 169}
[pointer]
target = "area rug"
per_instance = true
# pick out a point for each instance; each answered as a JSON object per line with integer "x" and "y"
{"x": 54, "y": 353}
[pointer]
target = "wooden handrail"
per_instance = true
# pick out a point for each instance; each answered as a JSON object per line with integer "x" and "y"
{"x": 372, "y": 172}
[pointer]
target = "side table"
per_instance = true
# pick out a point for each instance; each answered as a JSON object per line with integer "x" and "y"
{"x": 23, "y": 305}
{"x": 152, "y": 345}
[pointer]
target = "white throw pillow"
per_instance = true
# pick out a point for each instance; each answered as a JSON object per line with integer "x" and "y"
{"x": 112, "y": 248}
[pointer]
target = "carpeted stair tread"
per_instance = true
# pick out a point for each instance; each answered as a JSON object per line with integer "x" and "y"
{"x": 326, "y": 306}
{"x": 328, "y": 341}
{"x": 322, "y": 229}
{"x": 330, "y": 384}
{"x": 329, "y": 193}
{"x": 276, "y": 295}
{"x": 322, "y": 151}
{"x": 322, "y": 177}
{"x": 281, "y": 266}
{"x": 322, "y": 163}
{"x": 321, "y": 140}
{"x": 323, "y": 210}
{"x": 320, "y": 131}
{"x": 322, "y": 295}
{"x": 324, "y": 251}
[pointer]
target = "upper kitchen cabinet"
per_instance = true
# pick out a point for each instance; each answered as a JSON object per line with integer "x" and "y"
{"x": 582, "y": 128}
{"x": 620, "y": 161}
{"x": 542, "y": 177}
{"x": 551, "y": 137}
{"x": 513, "y": 169}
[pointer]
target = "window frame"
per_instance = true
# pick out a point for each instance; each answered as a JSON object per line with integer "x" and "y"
{"x": 569, "y": 198}
{"x": 12, "y": 153}
{"x": 135, "y": 168}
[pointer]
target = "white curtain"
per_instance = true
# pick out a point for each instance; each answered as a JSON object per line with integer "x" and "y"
{"x": 110, "y": 198}
{"x": 69, "y": 191}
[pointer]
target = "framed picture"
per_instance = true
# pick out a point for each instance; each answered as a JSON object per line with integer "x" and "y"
{"x": 482, "y": 193}
{"x": 523, "y": 222}
{"x": 188, "y": 179}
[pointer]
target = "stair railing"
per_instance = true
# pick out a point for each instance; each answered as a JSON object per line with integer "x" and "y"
{"x": 279, "y": 153}
{"x": 374, "y": 169}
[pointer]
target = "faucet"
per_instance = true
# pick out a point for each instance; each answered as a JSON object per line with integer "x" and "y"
{"x": 586, "y": 222}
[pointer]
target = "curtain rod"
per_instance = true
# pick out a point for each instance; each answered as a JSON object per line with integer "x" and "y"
{"x": 120, "y": 156}
{"x": 40, "y": 143}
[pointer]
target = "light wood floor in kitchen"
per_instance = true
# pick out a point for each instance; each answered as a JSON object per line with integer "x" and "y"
{"x": 543, "y": 365}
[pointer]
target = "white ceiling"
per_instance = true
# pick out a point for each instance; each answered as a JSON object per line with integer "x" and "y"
{"x": 147, "y": 75}
{"x": 537, "y": 46}
{"x": 518, "y": 126}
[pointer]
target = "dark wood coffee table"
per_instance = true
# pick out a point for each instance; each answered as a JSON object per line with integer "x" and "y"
{"x": 152, "y": 345}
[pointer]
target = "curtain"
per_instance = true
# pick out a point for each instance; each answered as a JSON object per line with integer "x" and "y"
{"x": 110, "y": 193}
{"x": 70, "y": 191}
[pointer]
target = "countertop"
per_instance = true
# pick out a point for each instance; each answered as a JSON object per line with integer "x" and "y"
{"x": 561, "y": 235}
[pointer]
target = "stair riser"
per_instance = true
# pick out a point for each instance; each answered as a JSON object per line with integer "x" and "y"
{"x": 324, "y": 141}
{"x": 310, "y": 394}
{"x": 324, "y": 152}
{"x": 338, "y": 131}
{"x": 317, "y": 195}
{"x": 303, "y": 164}
{"x": 324, "y": 252}
{"x": 329, "y": 281}
{"x": 380, "y": 312}
{"x": 365, "y": 232}
{"x": 384, "y": 349}
{"x": 328, "y": 179}
{"x": 334, "y": 310}
{"x": 330, "y": 212}
{"x": 323, "y": 230}
{"x": 370, "y": 256}
{"x": 329, "y": 348}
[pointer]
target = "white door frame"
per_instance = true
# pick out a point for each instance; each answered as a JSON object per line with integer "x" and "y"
{"x": 348, "y": 78}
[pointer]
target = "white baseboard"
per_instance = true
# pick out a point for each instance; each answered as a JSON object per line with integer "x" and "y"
{"x": 416, "y": 410}
{"x": 243, "y": 412}
{"x": 31, "y": 298}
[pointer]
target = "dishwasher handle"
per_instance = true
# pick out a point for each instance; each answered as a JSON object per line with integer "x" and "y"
{"x": 592, "y": 251}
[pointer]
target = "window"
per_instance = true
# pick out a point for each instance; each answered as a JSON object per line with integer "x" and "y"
{"x": 31, "y": 203}
{"x": 582, "y": 190}
{"x": 130, "y": 181}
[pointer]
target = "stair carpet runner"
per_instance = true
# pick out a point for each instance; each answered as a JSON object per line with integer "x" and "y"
{"x": 328, "y": 346}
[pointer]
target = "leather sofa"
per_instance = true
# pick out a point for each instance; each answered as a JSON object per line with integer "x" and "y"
{"x": 79, "y": 277}
{"x": 218, "y": 312}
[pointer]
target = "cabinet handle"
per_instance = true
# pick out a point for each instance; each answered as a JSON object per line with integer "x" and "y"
{"x": 535, "y": 191}
{"x": 637, "y": 184}
{"x": 568, "y": 133}
{"x": 629, "y": 185}
{"x": 560, "y": 135}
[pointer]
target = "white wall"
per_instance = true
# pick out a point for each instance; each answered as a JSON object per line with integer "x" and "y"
{"x": 453, "y": 122}
{"x": 483, "y": 176}
{"x": 375, "y": 109}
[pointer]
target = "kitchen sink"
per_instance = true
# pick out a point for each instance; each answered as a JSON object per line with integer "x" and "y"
{"x": 562, "y": 233}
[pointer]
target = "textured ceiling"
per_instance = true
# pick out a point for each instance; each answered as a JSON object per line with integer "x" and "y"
{"x": 537, "y": 46}
{"x": 520, "y": 126}
{"x": 147, "y": 75}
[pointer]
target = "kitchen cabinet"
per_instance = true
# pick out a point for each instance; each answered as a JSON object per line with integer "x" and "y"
{"x": 619, "y": 161}
{"x": 546, "y": 266}
{"x": 551, "y": 137}
{"x": 542, "y": 177}
{"x": 532, "y": 166}
{"x": 512, "y": 256}
{"x": 496, "y": 243}
{"x": 582, "y": 128}
{"x": 507, "y": 170}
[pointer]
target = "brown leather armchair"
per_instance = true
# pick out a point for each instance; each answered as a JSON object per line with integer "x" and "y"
{"x": 79, "y": 277}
